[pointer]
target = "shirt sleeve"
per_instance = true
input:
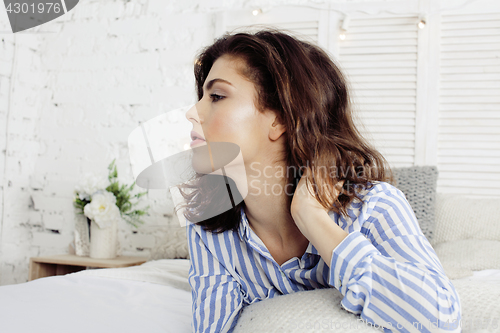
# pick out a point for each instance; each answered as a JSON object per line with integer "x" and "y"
{"x": 392, "y": 277}
{"x": 216, "y": 295}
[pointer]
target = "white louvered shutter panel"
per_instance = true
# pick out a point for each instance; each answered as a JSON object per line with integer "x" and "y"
{"x": 469, "y": 109}
{"x": 305, "y": 23}
{"x": 307, "y": 30}
{"x": 379, "y": 57}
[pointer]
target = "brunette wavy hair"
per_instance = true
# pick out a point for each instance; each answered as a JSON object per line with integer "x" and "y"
{"x": 309, "y": 93}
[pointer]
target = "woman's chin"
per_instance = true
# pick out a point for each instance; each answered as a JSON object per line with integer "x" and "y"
{"x": 201, "y": 164}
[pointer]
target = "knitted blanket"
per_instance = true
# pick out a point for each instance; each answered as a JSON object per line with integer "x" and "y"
{"x": 317, "y": 310}
{"x": 320, "y": 311}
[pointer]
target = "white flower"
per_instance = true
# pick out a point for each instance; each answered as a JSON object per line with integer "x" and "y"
{"x": 102, "y": 209}
{"x": 90, "y": 184}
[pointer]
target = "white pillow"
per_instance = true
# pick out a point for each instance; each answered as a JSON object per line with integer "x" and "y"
{"x": 459, "y": 258}
{"x": 463, "y": 217}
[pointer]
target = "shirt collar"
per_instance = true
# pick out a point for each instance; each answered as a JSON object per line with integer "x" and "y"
{"x": 244, "y": 231}
{"x": 244, "y": 227}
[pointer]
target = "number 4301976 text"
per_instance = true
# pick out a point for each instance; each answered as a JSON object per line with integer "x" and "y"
{"x": 40, "y": 8}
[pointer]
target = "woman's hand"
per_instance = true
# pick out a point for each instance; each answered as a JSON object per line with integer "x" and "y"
{"x": 304, "y": 200}
{"x": 313, "y": 220}
{"x": 304, "y": 205}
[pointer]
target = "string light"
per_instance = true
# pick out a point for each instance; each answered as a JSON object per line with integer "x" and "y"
{"x": 422, "y": 21}
{"x": 261, "y": 10}
{"x": 344, "y": 26}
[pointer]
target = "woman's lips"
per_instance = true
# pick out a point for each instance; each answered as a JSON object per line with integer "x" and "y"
{"x": 196, "y": 142}
{"x": 197, "y": 138}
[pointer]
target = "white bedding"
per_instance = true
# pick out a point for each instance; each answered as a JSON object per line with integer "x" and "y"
{"x": 148, "y": 298}
{"x": 153, "y": 297}
{"x": 490, "y": 275}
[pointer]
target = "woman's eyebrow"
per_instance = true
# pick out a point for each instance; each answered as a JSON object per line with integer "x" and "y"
{"x": 211, "y": 83}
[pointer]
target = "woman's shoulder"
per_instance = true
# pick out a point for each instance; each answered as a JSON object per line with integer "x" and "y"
{"x": 219, "y": 246}
{"x": 211, "y": 239}
{"x": 377, "y": 189}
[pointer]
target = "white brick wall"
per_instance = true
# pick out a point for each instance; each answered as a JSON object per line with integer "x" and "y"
{"x": 70, "y": 97}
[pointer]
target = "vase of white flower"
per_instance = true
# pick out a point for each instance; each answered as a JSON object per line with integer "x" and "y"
{"x": 104, "y": 214}
{"x": 103, "y": 241}
{"x": 104, "y": 203}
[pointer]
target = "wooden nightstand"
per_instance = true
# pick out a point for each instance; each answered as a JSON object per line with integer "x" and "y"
{"x": 69, "y": 263}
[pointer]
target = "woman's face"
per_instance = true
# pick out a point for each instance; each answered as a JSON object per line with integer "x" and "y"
{"x": 227, "y": 111}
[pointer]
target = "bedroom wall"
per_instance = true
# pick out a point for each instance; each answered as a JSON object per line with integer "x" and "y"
{"x": 80, "y": 84}
{"x": 21, "y": 94}
{"x": 6, "y": 56}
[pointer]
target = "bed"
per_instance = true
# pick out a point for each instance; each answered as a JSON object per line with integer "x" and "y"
{"x": 155, "y": 296}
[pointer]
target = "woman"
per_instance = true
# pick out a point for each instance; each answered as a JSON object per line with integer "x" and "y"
{"x": 320, "y": 210}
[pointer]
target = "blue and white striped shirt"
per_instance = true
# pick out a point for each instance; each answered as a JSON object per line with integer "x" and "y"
{"x": 385, "y": 268}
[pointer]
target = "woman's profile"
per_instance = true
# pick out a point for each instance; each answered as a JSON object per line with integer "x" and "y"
{"x": 320, "y": 211}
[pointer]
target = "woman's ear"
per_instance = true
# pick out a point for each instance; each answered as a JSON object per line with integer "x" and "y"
{"x": 276, "y": 129}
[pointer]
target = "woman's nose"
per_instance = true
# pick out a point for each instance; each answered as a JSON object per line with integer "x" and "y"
{"x": 193, "y": 115}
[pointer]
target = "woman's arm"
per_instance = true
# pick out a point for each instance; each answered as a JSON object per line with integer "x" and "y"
{"x": 392, "y": 276}
{"x": 216, "y": 295}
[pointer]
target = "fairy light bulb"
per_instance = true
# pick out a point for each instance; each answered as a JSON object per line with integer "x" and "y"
{"x": 255, "y": 12}
{"x": 422, "y": 21}
{"x": 344, "y": 26}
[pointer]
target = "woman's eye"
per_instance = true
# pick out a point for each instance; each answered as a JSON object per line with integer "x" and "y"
{"x": 216, "y": 97}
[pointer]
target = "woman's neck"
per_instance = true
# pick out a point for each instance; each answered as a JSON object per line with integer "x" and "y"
{"x": 268, "y": 213}
{"x": 276, "y": 229}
